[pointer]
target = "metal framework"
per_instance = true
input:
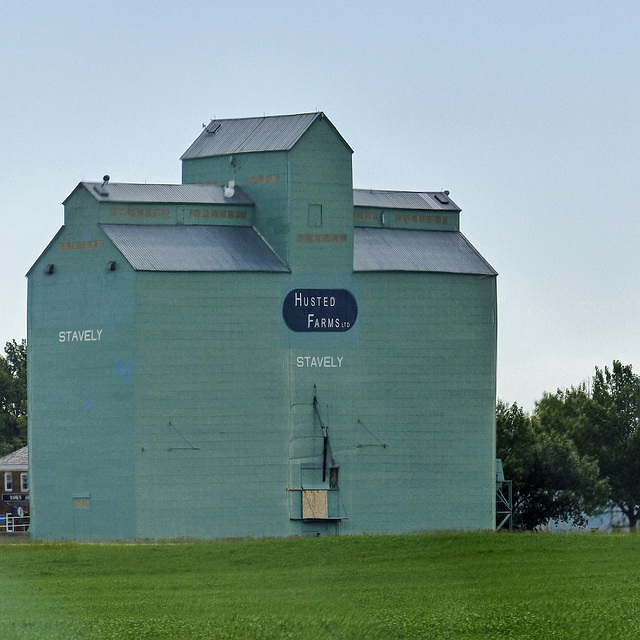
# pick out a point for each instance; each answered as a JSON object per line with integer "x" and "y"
{"x": 504, "y": 504}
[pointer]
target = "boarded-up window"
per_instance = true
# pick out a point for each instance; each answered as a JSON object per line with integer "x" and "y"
{"x": 315, "y": 504}
{"x": 81, "y": 503}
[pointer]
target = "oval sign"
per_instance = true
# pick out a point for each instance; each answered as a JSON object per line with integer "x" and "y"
{"x": 320, "y": 310}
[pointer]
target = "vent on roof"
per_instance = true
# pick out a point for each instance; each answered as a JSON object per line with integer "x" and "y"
{"x": 442, "y": 197}
{"x": 230, "y": 189}
{"x": 101, "y": 191}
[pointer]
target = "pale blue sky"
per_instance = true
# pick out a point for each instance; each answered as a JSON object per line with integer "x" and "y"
{"x": 529, "y": 113}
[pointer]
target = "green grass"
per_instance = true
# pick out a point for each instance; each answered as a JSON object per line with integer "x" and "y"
{"x": 457, "y": 586}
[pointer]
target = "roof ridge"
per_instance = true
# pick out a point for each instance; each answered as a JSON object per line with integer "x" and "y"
{"x": 267, "y": 117}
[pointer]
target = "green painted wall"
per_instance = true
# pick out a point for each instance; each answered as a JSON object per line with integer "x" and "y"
{"x": 410, "y": 410}
{"x": 81, "y": 425}
{"x": 193, "y": 413}
{"x": 211, "y": 416}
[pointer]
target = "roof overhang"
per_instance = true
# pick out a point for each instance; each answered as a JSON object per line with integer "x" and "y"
{"x": 193, "y": 248}
{"x": 383, "y": 249}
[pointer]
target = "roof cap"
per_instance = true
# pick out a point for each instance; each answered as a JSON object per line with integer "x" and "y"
{"x": 249, "y": 135}
{"x": 425, "y": 200}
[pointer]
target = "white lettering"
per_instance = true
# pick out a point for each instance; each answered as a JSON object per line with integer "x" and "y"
{"x": 323, "y": 362}
{"x": 83, "y": 335}
{"x": 313, "y": 301}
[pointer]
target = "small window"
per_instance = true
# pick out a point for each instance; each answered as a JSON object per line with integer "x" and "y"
{"x": 24, "y": 482}
{"x": 333, "y": 478}
{"x": 8, "y": 481}
{"x": 81, "y": 503}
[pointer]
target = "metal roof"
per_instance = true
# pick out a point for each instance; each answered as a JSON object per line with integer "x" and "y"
{"x": 19, "y": 458}
{"x": 193, "y": 248}
{"x": 165, "y": 193}
{"x": 426, "y": 200}
{"x": 377, "y": 249}
{"x": 246, "y": 135}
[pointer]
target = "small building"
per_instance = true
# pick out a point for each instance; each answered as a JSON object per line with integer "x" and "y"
{"x": 262, "y": 350}
{"x": 14, "y": 475}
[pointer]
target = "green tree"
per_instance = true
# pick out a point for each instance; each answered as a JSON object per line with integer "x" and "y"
{"x": 604, "y": 425}
{"x": 551, "y": 478}
{"x": 13, "y": 397}
{"x": 611, "y": 433}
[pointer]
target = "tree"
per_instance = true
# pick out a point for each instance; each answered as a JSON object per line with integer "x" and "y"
{"x": 13, "y": 397}
{"x": 551, "y": 479}
{"x": 612, "y": 434}
{"x": 604, "y": 424}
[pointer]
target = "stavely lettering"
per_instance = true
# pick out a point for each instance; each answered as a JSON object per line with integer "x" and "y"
{"x": 328, "y": 362}
{"x": 84, "y": 335}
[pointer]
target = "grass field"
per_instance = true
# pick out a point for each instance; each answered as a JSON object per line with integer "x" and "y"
{"x": 457, "y": 586}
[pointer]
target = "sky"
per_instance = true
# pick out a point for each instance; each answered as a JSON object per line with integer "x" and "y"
{"x": 527, "y": 112}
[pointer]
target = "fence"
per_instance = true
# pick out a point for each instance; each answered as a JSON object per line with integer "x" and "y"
{"x": 14, "y": 524}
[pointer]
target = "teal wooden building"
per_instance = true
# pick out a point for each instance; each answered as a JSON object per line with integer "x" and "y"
{"x": 262, "y": 350}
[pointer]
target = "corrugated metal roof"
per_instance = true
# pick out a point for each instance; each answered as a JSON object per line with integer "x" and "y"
{"x": 193, "y": 248}
{"x": 377, "y": 249}
{"x": 427, "y": 200}
{"x": 165, "y": 193}
{"x": 17, "y": 458}
{"x": 245, "y": 135}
